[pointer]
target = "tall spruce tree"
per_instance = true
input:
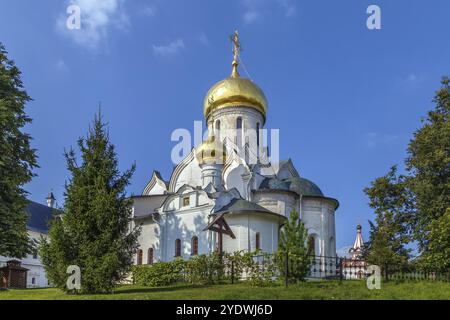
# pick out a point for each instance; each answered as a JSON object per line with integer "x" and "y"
{"x": 428, "y": 163}
{"x": 94, "y": 232}
{"x": 391, "y": 201}
{"x": 17, "y": 160}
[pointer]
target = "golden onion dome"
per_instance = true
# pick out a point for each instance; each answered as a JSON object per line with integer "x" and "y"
{"x": 234, "y": 90}
{"x": 211, "y": 151}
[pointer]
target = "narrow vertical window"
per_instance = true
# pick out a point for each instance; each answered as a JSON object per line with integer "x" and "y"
{"x": 311, "y": 245}
{"x": 239, "y": 132}
{"x": 178, "y": 248}
{"x": 139, "y": 257}
{"x": 194, "y": 246}
{"x": 257, "y": 135}
{"x": 218, "y": 129}
{"x": 150, "y": 256}
{"x": 258, "y": 241}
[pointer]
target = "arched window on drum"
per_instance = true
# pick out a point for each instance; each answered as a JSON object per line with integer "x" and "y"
{"x": 217, "y": 130}
{"x": 239, "y": 132}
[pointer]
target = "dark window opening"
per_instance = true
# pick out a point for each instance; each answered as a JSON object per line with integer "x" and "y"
{"x": 194, "y": 246}
{"x": 178, "y": 248}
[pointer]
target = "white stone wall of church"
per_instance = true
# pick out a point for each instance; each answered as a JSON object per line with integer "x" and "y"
{"x": 149, "y": 238}
{"x": 330, "y": 212}
{"x": 190, "y": 175}
{"x": 228, "y": 120}
{"x": 234, "y": 180}
{"x": 184, "y": 226}
{"x": 278, "y": 202}
{"x": 245, "y": 227}
{"x": 143, "y": 206}
{"x": 318, "y": 217}
{"x": 158, "y": 188}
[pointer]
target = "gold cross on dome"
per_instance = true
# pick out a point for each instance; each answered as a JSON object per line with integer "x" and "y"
{"x": 236, "y": 50}
{"x": 236, "y": 44}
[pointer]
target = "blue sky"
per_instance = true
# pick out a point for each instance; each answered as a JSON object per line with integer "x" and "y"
{"x": 346, "y": 99}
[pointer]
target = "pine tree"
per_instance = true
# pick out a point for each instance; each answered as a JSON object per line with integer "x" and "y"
{"x": 391, "y": 202}
{"x": 293, "y": 242}
{"x": 428, "y": 163}
{"x": 17, "y": 160}
{"x": 94, "y": 232}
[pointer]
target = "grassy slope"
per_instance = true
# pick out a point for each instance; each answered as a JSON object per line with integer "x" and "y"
{"x": 309, "y": 290}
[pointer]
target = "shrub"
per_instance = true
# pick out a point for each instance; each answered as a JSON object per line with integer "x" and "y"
{"x": 257, "y": 268}
{"x": 159, "y": 274}
{"x": 298, "y": 265}
{"x": 204, "y": 269}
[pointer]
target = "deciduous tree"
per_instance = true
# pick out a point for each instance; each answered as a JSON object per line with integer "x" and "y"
{"x": 17, "y": 160}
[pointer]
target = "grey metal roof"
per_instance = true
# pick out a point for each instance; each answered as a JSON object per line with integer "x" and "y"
{"x": 305, "y": 187}
{"x": 301, "y": 186}
{"x": 242, "y": 206}
{"x": 39, "y": 216}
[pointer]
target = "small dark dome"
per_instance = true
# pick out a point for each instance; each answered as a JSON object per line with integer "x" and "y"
{"x": 305, "y": 187}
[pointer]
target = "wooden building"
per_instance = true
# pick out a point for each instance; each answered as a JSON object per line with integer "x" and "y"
{"x": 13, "y": 275}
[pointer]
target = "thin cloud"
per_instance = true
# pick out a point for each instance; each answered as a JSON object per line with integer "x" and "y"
{"x": 290, "y": 10}
{"x": 373, "y": 139}
{"x": 169, "y": 49}
{"x": 98, "y": 18}
{"x": 252, "y": 17}
{"x": 61, "y": 66}
{"x": 257, "y": 10}
{"x": 148, "y": 11}
{"x": 411, "y": 77}
{"x": 203, "y": 39}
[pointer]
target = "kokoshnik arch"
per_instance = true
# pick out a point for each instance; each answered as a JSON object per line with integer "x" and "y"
{"x": 226, "y": 195}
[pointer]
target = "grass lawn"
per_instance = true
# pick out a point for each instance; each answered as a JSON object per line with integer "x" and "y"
{"x": 308, "y": 290}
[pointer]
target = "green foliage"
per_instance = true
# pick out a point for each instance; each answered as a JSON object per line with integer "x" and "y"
{"x": 17, "y": 160}
{"x": 391, "y": 202}
{"x": 57, "y": 254}
{"x": 94, "y": 231}
{"x": 204, "y": 269}
{"x": 259, "y": 268}
{"x": 416, "y": 206}
{"x": 293, "y": 240}
{"x": 159, "y": 274}
{"x": 437, "y": 257}
{"x": 428, "y": 163}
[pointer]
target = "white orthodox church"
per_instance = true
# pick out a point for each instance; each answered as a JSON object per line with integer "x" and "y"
{"x": 226, "y": 195}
